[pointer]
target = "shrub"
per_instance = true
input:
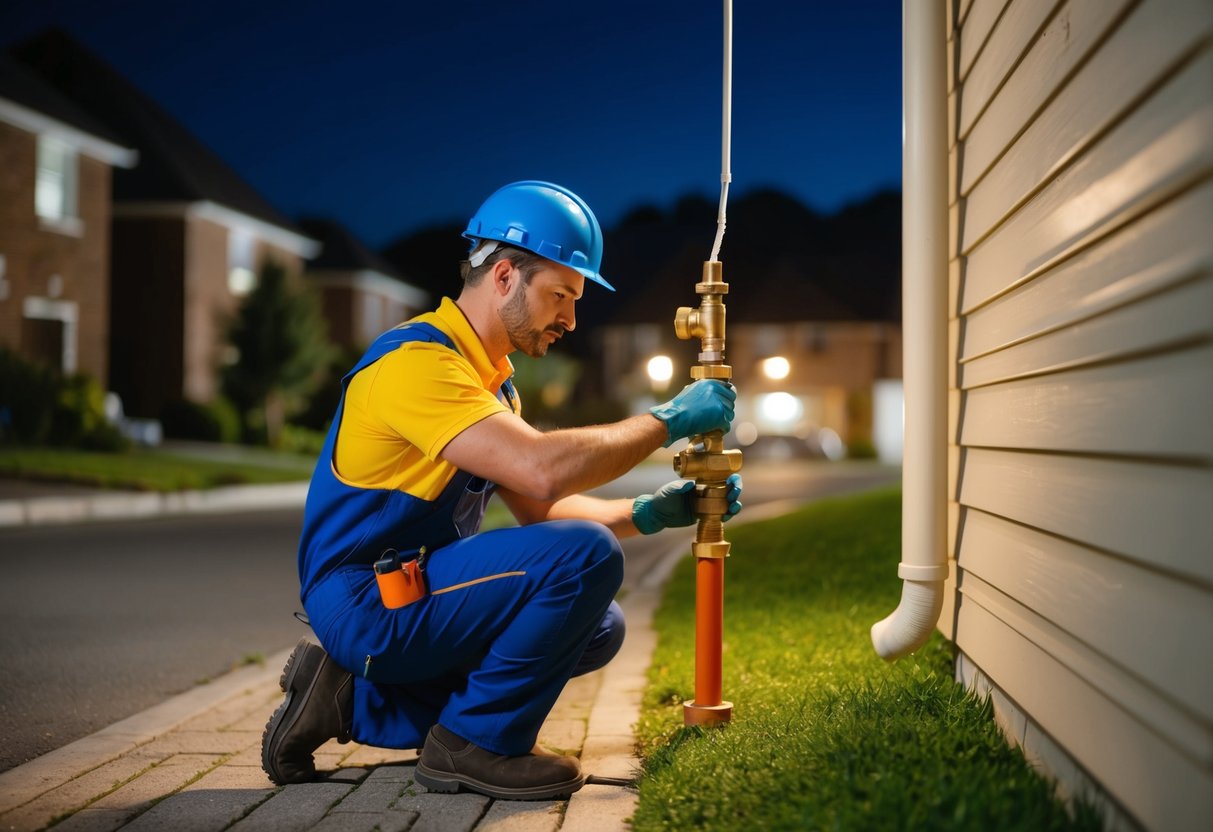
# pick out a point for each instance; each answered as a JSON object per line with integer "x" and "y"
{"x": 38, "y": 406}
{"x": 861, "y": 449}
{"x": 27, "y": 399}
{"x": 217, "y": 421}
{"x": 78, "y": 419}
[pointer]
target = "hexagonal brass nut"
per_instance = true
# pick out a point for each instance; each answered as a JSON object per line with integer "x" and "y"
{"x": 718, "y": 549}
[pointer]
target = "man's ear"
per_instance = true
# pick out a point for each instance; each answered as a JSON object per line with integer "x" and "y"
{"x": 502, "y": 276}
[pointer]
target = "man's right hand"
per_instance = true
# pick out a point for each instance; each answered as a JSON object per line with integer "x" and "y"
{"x": 701, "y": 407}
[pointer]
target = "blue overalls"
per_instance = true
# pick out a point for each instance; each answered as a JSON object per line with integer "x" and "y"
{"x": 512, "y": 613}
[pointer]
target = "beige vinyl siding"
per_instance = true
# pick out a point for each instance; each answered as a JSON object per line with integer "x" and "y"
{"x": 1081, "y": 402}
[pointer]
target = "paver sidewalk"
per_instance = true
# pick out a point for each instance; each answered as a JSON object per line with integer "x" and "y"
{"x": 194, "y": 763}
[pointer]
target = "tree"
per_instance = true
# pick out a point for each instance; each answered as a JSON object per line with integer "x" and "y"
{"x": 282, "y": 347}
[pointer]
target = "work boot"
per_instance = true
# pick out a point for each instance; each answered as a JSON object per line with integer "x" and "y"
{"x": 450, "y": 764}
{"x": 318, "y": 707}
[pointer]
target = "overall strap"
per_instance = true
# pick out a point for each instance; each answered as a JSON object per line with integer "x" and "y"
{"x": 393, "y": 338}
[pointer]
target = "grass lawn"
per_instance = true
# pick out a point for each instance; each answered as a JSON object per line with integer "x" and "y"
{"x": 145, "y": 470}
{"x": 825, "y": 734}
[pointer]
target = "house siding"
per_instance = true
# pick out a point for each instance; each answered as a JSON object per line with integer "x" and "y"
{"x": 1081, "y": 376}
{"x": 209, "y": 307}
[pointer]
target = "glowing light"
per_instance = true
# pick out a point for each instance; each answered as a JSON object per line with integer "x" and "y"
{"x": 776, "y": 367}
{"x": 660, "y": 368}
{"x": 745, "y": 433}
{"x": 780, "y": 408}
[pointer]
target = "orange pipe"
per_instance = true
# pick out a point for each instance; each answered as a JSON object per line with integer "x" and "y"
{"x": 709, "y": 629}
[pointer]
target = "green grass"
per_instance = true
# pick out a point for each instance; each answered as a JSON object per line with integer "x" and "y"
{"x": 142, "y": 470}
{"x": 825, "y": 734}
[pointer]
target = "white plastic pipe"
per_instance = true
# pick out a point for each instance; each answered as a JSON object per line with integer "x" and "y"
{"x": 726, "y": 128}
{"x": 924, "y": 231}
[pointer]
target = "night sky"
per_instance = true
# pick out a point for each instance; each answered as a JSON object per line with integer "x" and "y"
{"x": 395, "y": 116}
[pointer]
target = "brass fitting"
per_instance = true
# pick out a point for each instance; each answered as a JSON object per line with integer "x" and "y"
{"x": 705, "y": 460}
{"x": 707, "y": 322}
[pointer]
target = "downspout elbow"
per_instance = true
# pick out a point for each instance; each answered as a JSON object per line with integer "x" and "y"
{"x": 910, "y": 625}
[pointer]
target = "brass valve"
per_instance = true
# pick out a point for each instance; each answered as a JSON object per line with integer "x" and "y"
{"x": 705, "y": 460}
{"x": 707, "y": 323}
{"x": 710, "y": 465}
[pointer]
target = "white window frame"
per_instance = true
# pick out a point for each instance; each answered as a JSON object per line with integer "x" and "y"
{"x": 65, "y": 311}
{"x": 57, "y": 184}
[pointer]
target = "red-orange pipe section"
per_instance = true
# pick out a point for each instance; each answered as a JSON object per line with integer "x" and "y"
{"x": 709, "y": 629}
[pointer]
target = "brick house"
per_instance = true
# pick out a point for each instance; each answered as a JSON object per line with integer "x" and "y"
{"x": 55, "y": 168}
{"x": 189, "y": 236}
{"x": 361, "y": 294}
{"x": 814, "y": 339}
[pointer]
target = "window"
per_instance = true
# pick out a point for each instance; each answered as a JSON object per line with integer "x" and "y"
{"x": 55, "y": 191}
{"x": 241, "y": 246}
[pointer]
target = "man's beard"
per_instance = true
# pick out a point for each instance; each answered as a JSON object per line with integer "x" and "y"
{"x": 516, "y": 316}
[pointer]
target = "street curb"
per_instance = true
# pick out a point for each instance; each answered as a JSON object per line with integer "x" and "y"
{"x": 41, "y": 511}
{"x": 29, "y": 780}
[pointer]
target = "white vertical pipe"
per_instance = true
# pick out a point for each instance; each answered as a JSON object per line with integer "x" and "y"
{"x": 726, "y": 128}
{"x": 924, "y": 232}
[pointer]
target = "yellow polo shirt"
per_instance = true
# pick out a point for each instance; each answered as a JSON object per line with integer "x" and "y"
{"x": 401, "y": 411}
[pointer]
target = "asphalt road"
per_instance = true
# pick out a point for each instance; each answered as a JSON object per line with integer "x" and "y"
{"x": 101, "y": 621}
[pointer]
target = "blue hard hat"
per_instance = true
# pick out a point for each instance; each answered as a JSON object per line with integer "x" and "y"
{"x": 545, "y": 219}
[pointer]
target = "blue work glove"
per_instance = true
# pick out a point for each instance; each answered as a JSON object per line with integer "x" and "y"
{"x": 673, "y": 505}
{"x": 703, "y": 406}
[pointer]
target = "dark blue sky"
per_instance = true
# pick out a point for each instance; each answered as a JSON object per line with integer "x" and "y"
{"x": 396, "y": 115}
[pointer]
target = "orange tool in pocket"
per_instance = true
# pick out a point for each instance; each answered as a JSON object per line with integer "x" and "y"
{"x": 400, "y": 584}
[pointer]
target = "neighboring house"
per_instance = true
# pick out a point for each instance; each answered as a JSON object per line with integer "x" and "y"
{"x": 1080, "y": 522}
{"x": 807, "y": 364}
{"x": 189, "y": 236}
{"x": 55, "y": 164}
{"x": 361, "y": 293}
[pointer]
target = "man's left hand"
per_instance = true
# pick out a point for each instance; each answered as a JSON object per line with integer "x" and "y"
{"x": 673, "y": 505}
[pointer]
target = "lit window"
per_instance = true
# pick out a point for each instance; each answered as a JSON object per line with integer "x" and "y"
{"x": 240, "y": 249}
{"x": 55, "y": 191}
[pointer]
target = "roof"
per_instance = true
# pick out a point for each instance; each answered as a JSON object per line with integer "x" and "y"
{"x": 20, "y": 85}
{"x": 173, "y": 164}
{"x": 342, "y": 250}
{"x": 783, "y": 263}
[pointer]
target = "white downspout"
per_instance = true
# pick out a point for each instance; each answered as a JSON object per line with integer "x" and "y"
{"x": 924, "y": 232}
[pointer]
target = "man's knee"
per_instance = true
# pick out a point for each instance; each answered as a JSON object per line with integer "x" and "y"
{"x": 598, "y": 549}
{"x": 605, "y": 643}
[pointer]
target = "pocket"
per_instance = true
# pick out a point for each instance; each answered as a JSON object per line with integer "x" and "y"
{"x": 469, "y": 510}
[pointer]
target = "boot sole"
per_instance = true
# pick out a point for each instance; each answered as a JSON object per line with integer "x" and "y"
{"x": 276, "y": 725}
{"x": 445, "y": 782}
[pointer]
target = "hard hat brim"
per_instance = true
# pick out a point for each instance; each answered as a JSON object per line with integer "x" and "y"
{"x": 594, "y": 276}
